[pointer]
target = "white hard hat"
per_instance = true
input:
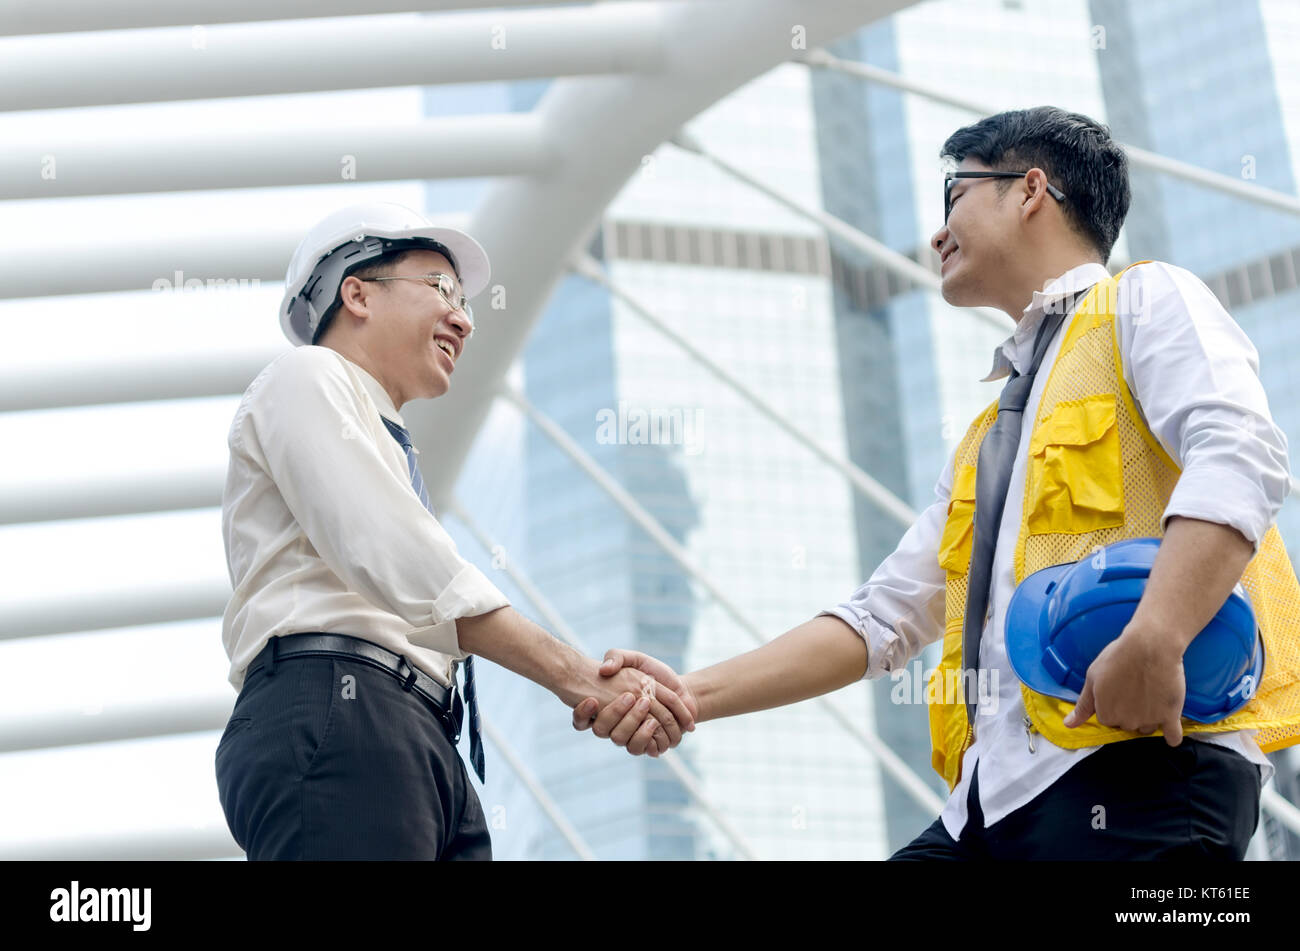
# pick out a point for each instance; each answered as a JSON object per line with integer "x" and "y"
{"x": 361, "y": 233}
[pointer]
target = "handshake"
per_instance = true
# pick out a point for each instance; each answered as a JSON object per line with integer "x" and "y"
{"x": 638, "y": 702}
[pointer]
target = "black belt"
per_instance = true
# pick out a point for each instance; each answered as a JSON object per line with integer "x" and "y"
{"x": 445, "y": 700}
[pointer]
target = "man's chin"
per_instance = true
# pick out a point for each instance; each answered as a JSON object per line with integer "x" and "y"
{"x": 951, "y": 293}
{"x": 960, "y": 296}
{"x": 439, "y": 386}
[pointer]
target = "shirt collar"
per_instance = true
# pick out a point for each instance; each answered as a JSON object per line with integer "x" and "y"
{"x": 377, "y": 393}
{"x": 1056, "y": 290}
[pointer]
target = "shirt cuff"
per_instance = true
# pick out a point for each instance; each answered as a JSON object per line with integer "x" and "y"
{"x": 882, "y": 640}
{"x": 1200, "y": 492}
{"x": 440, "y": 637}
{"x": 469, "y": 594}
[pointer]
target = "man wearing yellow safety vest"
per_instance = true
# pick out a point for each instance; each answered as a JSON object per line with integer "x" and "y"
{"x": 1147, "y": 420}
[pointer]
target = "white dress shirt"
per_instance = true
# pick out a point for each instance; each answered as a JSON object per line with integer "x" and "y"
{"x": 323, "y": 530}
{"x": 1195, "y": 377}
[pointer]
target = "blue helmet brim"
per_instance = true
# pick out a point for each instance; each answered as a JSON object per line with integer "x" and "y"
{"x": 1026, "y": 626}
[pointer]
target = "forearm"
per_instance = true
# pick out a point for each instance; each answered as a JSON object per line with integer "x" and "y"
{"x": 816, "y": 657}
{"x": 1196, "y": 567}
{"x": 506, "y": 637}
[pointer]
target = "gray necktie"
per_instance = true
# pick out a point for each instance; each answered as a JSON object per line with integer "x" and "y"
{"x": 992, "y": 479}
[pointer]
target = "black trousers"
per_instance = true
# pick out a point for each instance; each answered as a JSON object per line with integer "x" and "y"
{"x": 329, "y": 758}
{"x": 1131, "y": 800}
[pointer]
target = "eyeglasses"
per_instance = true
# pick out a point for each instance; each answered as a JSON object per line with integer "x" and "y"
{"x": 446, "y": 286}
{"x": 951, "y": 176}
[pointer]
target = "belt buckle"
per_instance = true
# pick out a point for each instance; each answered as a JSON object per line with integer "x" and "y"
{"x": 452, "y": 716}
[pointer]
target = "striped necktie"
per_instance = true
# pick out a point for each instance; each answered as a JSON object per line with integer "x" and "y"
{"x": 471, "y": 693}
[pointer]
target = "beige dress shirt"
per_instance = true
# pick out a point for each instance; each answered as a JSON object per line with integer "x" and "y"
{"x": 322, "y": 529}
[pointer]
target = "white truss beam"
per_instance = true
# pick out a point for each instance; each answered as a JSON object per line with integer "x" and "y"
{"x": 97, "y": 69}
{"x": 128, "y": 379}
{"x": 75, "y": 16}
{"x": 601, "y": 128}
{"x": 151, "y": 603}
{"x": 163, "y": 161}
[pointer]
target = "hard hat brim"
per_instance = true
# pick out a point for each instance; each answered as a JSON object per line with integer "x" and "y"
{"x": 471, "y": 261}
{"x": 1026, "y": 629}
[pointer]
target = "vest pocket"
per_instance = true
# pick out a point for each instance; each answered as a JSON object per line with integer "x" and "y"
{"x": 1075, "y": 469}
{"x": 955, "y": 543}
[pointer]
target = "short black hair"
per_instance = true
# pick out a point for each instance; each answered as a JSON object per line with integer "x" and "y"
{"x": 382, "y": 266}
{"x": 1077, "y": 154}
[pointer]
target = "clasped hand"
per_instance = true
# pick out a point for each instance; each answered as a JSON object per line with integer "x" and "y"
{"x": 641, "y": 704}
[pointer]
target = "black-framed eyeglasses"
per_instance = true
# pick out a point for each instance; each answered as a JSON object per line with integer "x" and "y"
{"x": 950, "y": 177}
{"x": 444, "y": 284}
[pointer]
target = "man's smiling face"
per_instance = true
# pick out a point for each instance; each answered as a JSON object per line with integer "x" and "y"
{"x": 422, "y": 337}
{"x": 976, "y": 243}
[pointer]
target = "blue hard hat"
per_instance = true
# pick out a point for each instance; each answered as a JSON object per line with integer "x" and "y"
{"x": 1060, "y": 619}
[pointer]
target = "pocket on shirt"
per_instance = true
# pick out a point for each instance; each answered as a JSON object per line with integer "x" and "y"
{"x": 958, "y": 535}
{"x": 1075, "y": 471}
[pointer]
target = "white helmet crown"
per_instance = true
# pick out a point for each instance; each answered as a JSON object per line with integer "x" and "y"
{"x": 356, "y": 234}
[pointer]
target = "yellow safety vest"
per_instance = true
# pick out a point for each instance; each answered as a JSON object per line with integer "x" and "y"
{"x": 1097, "y": 475}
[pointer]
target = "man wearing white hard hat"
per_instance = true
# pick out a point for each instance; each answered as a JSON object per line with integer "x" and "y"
{"x": 352, "y": 609}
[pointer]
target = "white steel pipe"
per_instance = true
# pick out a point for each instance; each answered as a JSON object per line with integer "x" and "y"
{"x": 605, "y": 126}
{"x": 128, "y": 379}
{"x": 96, "y": 69}
{"x": 130, "y": 494}
{"x": 124, "y": 717}
{"x": 162, "y": 161}
{"x": 76, "y": 611}
{"x": 165, "y": 264}
{"x": 75, "y": 16}
{"x": 181, "y": 260}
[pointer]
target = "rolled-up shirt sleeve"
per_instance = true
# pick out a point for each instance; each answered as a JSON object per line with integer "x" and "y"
{"x": 1195, "y": 377}
{"x": 364, "y": 520}
{"x": 899, "y": 609}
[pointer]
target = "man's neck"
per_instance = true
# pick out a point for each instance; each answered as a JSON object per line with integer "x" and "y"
{"x": 356, "y": 354}
{"x": 1041, "y": 278}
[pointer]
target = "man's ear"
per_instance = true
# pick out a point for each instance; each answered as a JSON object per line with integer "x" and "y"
{"x": 353, "y": 297}
{"x": 1033, "y": 189}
